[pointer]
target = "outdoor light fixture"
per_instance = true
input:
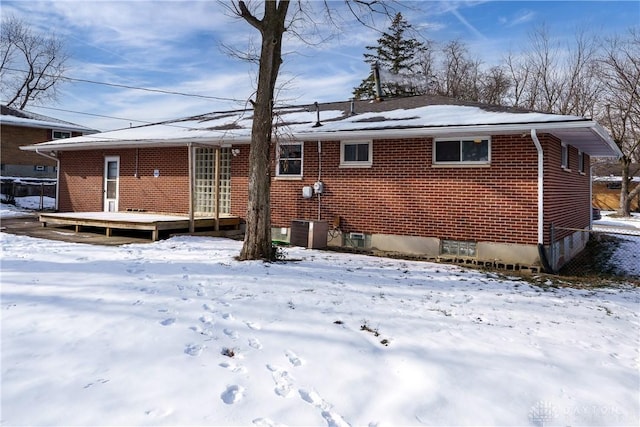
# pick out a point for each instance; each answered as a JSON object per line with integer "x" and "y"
{"x": 235, "y": 151}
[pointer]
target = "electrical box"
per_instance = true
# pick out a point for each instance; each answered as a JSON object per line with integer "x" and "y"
{"x": 307, "y": 192}
{"x": 309, "y": 234}
{"x": 318, "y": 187}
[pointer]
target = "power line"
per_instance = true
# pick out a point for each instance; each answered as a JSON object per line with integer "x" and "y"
{"x": 170, "y": 124}
{"x": 167, "y": 92}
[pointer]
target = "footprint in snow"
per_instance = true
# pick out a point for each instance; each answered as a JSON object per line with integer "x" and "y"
{"x": 233, "y": 367}
{"x": 231, "y": 333}
{"x": 254, "y": 343}
{"x": 169, "y": 321}
{"x": 227, "y": 316}
{"x": 199, "y": 330}
{"x": 206, "y": 320}
{"x": 282, "y": 379}
{"x": 332, "y": 418}
{"x": 158, "y": 412}
{"x": 293, "y": 358}
{"x": 253, "y": 325}
{"x": 265, "y": 422}
{"x": 193, "y": 349}
{"x": 232, "y": 394}
{"x": 98, "y": 381}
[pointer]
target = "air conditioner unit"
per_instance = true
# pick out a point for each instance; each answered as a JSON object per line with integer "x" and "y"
{"x": 309, "y": 234}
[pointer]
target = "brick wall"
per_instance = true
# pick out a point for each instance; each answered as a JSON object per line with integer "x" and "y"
{"x": 403, "y": 194}
{"x": 15, "y": 136}
{"x": 567, "y": 201}
{"x": 81, "y": 180}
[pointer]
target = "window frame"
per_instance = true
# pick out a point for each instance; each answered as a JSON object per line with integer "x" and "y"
{"x": 564, "y": 156}
{"x": 581, "y": 162}
{"x": 356, "y": 163}
{"x": 280, "y": 175}
{"x": 54, "y": 131}
{"x": 462, "y": 163}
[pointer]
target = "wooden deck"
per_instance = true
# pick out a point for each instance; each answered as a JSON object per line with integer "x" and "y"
{"x": 134, "y": 221}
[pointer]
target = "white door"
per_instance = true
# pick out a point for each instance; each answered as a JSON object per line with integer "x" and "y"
{"x": 111, "y": 174}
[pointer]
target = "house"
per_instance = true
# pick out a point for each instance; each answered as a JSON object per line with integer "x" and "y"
{"x": 19, "y": 128}
{"x": 421, "y": 175}
{"x": 607, "y": 183}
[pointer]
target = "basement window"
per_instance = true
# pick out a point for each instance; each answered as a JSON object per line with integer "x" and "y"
{"x": 290, "y": 156}
{"x": 462, "y": 151}
{"x": 458, "y": 248}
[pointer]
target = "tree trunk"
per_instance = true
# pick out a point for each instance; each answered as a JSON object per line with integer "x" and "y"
{"x": 625, "y": 200}
{"x": 257, "y": 240}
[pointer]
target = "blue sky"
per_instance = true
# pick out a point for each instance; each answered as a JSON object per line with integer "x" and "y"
{"x": 178, "y": 46}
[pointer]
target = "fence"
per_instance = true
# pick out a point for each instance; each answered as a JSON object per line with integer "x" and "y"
{"x": 12, "y": 188}
{"x": 611, "y": 252}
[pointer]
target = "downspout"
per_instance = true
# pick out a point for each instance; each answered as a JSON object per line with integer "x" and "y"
{"x": 319, "y": 178}
{"x": 590, "y": 196}
{"x": 57, "y": 174}
{"x": 541, "y": 250}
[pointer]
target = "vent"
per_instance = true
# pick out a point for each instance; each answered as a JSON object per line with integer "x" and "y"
{"x": 356, "y": 240}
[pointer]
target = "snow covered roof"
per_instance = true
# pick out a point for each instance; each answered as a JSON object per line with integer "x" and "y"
{"x": 11, "y": 116}
{"x": 419, "y": 116}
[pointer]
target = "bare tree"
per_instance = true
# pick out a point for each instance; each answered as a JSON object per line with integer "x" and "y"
{"x": 495, "y": 85}
{"x": 519, "y": 74}
{"x": 459, "y": 76}
{"x": 620, "y": 74}
{"x": 272, "y": 25}
{"x": 553, "y": 77}
{"x": 32, "y": 65}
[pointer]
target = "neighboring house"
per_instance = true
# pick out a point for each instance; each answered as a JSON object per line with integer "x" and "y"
{"x": 420, "y": 175}
{"x": 19, "y": 128}
{"x": 607, "y": 183}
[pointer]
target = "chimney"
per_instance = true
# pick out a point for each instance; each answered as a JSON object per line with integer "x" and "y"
{"x": 376, "y": 77}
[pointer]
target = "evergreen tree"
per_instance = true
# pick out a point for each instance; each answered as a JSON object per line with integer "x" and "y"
{"x": 398, "y": 59}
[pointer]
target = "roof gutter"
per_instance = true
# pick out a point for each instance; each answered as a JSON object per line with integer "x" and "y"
{"x": 149, "y": 143}
{"x": 343, "y": 134}
{"x": 48, "y": 156}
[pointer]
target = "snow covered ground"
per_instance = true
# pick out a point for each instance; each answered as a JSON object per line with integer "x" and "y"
{"x": 24, "y": 205}
{"x": 177, "y": 332}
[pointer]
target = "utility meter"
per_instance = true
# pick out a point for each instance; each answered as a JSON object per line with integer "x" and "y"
{"x": 318, "y": 187}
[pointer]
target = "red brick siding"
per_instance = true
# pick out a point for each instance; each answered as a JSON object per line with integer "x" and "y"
{"x": 567, "y": 202}
{"x": 403, "y": 194}
{"x": 240, "y": 182}
{"x": 13, "y": 137}
{"x": 81, "y": 180}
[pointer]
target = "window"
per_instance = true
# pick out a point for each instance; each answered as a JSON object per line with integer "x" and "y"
{"x": 289, "y": 160}
{"x": 462, "y": 151}
{"x": 356, "y": 154}
{"x": 456, "y": 247}
{"x": 565, "y": 156}
{"x": 58, "y": 134}
{"x": 580, "y": 162}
